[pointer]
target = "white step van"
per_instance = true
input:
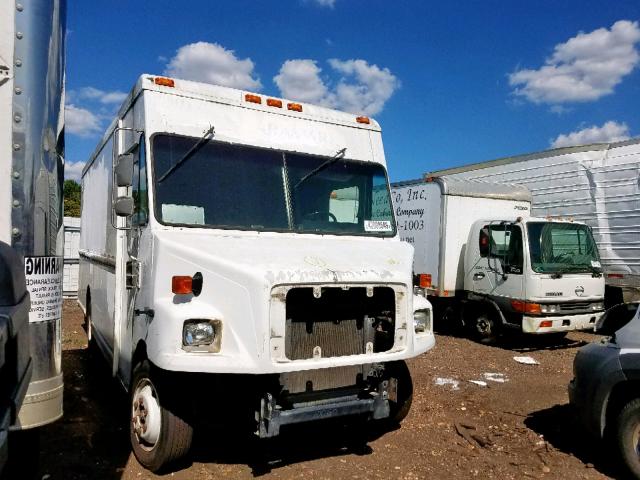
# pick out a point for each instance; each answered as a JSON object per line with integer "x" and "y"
{"x": 239, "y": 262}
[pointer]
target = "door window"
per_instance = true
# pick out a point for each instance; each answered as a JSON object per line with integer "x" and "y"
{"x": 505, "y": 245}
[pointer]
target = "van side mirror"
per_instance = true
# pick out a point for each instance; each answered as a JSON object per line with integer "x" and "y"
{"x": 485, "y": 245}
{"x": 124, "y": 206}
{"x": 124, "y": 170}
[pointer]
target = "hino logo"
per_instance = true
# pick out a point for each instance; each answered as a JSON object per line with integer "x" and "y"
{"x": 521, "y": 207}
{"x": 553, "y": 294}
{"x": 579, "y": 290}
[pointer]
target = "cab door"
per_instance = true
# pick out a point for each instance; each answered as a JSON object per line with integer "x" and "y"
{"x": 499, "y": 272}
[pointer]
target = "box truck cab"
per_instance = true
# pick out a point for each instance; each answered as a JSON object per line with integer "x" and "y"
{"x": 239, "y": 261}
{"x": 483, "y": 260}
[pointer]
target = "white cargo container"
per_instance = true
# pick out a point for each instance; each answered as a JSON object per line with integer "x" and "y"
{"x": 483, "y": 260}
{"x": 239, "y": 260}
{"x": 597, "y": 184}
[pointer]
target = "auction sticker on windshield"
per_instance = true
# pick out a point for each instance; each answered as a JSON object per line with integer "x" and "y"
{"x": 377, "y": 226}
{"x": 44, "y": 283}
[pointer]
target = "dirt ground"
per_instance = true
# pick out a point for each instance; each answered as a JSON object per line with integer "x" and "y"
{"x": 521, "y": 428}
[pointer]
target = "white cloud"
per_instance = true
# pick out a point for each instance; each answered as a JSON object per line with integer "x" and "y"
{"x": 585, "y": 68}
{"x": 212, "y": 63}
{"x": 362, "y": 88}
{"x": 325, "y": 3}
{"x": 73, "y": 170}
{"x": 609, "y": 132}
{"x": 300, "y": 80}
{"x": 80, "y": 121}
{"x": 373, "y": 86}
{"x": 91, "y": 93}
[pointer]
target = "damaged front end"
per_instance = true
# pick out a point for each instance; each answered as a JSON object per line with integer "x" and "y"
{"x": 310, "y": 323}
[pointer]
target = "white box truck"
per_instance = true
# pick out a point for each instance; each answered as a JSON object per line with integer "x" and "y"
{"x": 597, "y": 184}
{"x": 239, "y": 261}
{"x": 483, "y": 261}
{"x": 32, "y": 35}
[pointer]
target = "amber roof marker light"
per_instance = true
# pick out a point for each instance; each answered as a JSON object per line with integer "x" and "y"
{"x": 251, "y": 98}
{"x": 164, "y": 81}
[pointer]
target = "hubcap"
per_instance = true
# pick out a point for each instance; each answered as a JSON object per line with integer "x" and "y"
{"x": 636, "y": 439}
{"x": 146, "y": 417}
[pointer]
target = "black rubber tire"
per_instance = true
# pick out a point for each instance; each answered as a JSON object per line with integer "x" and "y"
{"x": 400, "y": 409}
{"x": 483, "y": 327}
{"x": 628, "y": 436}
{"x": 176, "y": 434}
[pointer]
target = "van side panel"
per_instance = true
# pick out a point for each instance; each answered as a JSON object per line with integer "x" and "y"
{"x": 97, "y": 244}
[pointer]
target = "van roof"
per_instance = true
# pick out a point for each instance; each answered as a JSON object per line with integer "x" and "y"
{"x": 236, "y": 97}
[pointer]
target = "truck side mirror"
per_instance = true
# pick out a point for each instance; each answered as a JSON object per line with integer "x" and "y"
{"x": 124, "y": 170}
{"x": 124, "y": 206}
{"x": 485, "y": 245}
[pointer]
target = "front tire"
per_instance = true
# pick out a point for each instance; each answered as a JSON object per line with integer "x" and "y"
{"x": 159, "y": 436}
{"x": 483, "y": 327}
{"x": 400, "y": 408}
{"x": 628, "y": 436}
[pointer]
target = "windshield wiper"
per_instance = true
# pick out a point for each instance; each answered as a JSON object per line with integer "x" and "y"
{"x": 338, "y": 156}
{"x": 208, "y": 135}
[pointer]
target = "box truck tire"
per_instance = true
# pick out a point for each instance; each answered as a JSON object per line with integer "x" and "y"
{"x": 158, "y": 435}
{"x": 482, "y": 326}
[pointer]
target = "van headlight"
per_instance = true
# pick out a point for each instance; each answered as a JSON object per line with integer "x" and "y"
{"x": 422, "y": 321}
{"x": 201, "y": 335}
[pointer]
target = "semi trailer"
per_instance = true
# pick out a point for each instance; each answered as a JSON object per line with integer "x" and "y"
{"x": 484, "y": 262}
{"x": 239, "y": 262}
{"x": 32, "y": 34}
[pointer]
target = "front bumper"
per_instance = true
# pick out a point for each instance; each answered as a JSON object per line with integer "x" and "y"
{"x": 271, "y": 418}
{"x": 560, "y": 323}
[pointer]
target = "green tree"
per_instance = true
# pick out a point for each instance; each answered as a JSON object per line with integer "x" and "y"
{"x": 72, "y": 198}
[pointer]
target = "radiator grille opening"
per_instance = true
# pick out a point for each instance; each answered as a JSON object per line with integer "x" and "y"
{"x": 338, "y": 321}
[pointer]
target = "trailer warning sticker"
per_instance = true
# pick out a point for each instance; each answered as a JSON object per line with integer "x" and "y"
{"x": 377, "y": 226}
{"x": 44, "y": 283}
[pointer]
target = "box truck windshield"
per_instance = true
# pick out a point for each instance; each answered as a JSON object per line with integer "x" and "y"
{"x": 562, "y": 248}
{"x": 226, "y": 185}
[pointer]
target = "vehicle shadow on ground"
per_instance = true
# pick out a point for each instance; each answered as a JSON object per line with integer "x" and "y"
{"x": 91, "y": 440}
{"x": 520, "y": 342}
{"x": 295, "y": 444}
{"x": 526, "y": 343}
{"x": 562, "y": 431}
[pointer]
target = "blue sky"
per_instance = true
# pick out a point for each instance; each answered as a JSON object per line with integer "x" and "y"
{"x": 450, "y": 82}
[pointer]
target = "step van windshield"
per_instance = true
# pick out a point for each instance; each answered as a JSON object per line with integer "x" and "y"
{"x": 232, "y": 186}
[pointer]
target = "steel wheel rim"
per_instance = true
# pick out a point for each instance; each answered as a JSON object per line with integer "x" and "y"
{"x": 146, "y": 418}
{"x": 483, "y": 325}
